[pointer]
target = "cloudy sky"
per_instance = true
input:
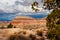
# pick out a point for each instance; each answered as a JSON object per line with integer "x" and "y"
{"x": 18, "y": 5}
{"x": 11, "y": 8}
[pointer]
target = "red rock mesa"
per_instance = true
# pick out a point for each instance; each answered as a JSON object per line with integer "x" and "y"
{"x": 26, "y": 20}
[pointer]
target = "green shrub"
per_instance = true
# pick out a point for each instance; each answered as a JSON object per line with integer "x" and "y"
{"x": 10, "y": 26}
{"x": 53, "y": 24}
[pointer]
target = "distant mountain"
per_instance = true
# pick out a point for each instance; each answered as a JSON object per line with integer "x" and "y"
{"x": 37, "y": 16}
{"x": 5, "y": 20}
{"x": 27, "y": 20}
{"x": 10, "y": 16}
{"x": 32, "y": 16}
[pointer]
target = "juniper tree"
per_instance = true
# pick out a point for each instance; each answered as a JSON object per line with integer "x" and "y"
{"x": 35, "y": 4}
{"x": 53, "y": 24}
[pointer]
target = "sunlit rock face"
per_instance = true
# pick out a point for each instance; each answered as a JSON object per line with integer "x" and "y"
{"x": 26, "y": 20}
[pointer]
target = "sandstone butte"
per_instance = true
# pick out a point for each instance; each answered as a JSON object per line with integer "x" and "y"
{"x": 25, "y": 20}
{"x": 21, "y": 21}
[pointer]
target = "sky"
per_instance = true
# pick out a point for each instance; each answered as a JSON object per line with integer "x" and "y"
{"x": 11, "y": 8}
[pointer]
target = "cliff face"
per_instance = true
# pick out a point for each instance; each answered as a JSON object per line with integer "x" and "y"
{"x": 23, "y": 24}
{"x": 25, "y": 20}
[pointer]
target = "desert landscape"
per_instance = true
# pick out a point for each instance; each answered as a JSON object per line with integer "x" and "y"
{"x": 29, "y": 19}
{"x": 23, "y": 24}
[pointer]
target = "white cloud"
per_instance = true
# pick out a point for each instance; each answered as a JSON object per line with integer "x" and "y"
{"x": 18, "y": 5}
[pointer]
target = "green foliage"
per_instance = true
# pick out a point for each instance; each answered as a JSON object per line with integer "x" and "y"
{"x": 51, "y": 4}
{"x": 53, "y": 34}
{"x": 53, "y": 18}
{"x": 53, "y": 24}
{"x": 10, "y": 26}
{"x": 35, "y": 4}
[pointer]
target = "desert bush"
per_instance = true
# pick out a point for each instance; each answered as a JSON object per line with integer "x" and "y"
{"x": 10, "y": 26}
{"x": 24, "y": 32}
{"x": 21, "y": 37}
{"x": 14, "y": 26}
{"x": 33, "y": 37}
{"x": 42, "y": 38}
{"x": 40, "y": 33}
{"x": 18, "y": 37}
{"x": 2, "y": 27}
{"x": 12, "y": 37}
